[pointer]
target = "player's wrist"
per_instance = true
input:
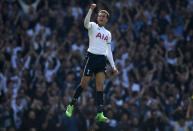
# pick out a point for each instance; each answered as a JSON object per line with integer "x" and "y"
{"x": 90, "y": 10}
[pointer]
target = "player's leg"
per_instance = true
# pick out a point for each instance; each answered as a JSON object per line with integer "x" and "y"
{"x": 87, "y": 73}
{"x": 83, "y": 85}
{"x": 100, "y": 78}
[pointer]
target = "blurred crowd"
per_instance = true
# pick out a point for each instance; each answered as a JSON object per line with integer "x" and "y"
{"x": 43, "y": 44}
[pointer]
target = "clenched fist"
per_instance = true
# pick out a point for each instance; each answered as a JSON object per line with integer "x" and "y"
{"x": 92, "y": 6}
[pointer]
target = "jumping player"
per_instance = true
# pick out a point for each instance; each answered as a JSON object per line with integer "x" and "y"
{"x": 99, "y": 49}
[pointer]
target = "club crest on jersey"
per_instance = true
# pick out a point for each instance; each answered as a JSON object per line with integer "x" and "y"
{"x": 102, "y": 36}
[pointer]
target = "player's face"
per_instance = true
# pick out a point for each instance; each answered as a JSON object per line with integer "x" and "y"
{"x": 102, "y": 19}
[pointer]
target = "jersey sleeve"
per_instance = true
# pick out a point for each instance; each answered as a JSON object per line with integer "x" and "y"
{"x": 90, "y": 25}
{"x": 87, "y": 23}
{"x": 109, "y": 40}
{"x": 109, "y": 52}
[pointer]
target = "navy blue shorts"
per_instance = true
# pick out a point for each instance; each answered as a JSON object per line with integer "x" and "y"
{"x": 93, "y": 64}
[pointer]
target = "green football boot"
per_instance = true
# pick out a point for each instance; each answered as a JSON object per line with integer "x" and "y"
{"x": 69, "y": 110}
{"x": 101, "y": 118}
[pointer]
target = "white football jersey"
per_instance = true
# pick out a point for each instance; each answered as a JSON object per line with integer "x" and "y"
{"x": 99, "y": 37}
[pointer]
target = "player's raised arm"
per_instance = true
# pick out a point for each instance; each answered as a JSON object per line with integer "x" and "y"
{"x": 87, "y": 18}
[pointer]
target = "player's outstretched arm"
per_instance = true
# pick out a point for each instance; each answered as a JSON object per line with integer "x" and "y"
{"x": 87, "y": 18}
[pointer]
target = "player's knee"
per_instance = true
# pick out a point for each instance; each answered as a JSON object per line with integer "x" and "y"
{"x": 99, "y": 86}
{"x": 84, "y": 84}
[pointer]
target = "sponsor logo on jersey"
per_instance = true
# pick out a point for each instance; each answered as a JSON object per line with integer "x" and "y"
{"x": 102, "y": 36}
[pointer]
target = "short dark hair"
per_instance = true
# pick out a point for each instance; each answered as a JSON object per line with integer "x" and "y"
{"x": 106, "y": 12}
